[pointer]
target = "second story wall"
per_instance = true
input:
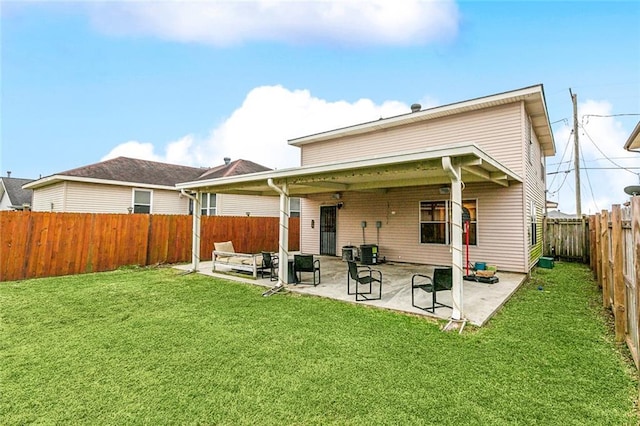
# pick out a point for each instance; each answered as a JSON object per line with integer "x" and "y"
{"x": 498, "y": 131}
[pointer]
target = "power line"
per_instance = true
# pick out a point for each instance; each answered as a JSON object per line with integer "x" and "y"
{"x": 593, "y": 160}
{"x": 593, "y": 168}
{"x": 566, "y": 145}
{"x": 605, "y": 155}
{"x": 604, "y": 116}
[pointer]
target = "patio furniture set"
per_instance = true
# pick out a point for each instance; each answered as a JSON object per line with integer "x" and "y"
{"x": 364, "y": 282}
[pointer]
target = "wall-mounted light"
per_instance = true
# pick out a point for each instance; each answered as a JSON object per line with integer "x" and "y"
{"x": 340, "y": 205}
{"x": 130, "y": 210}
{"x": 313, "y": 223}
{"x": 248, "y": 214}
{"x": 444, "y": 190}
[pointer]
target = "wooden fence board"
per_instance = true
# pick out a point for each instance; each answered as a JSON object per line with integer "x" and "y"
{"x": 618, "y": 268}
{"x": 567, "y": 238}
{"x": 39, "y": 244}
{"x": 618, "y": 279}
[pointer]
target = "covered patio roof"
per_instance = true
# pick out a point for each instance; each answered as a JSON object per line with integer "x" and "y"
{"x": 375, "y": 174}
{"x": 449, "y": 165}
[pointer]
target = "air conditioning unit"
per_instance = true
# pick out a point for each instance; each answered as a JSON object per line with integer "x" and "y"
{"x": 349, "y": 253}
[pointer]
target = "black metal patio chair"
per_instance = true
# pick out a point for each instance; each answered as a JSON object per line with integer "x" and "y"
{"x": 306, "y": 263}
{"x": 269, "y": 265}
{"x": 365, "y": 279}
{"x": 442, "y": 280}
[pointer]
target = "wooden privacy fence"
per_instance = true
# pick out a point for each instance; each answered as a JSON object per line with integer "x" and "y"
{"x": 615, "y": 261}
{"x": 43, "y": 244}
{"x": 566, "y": 238}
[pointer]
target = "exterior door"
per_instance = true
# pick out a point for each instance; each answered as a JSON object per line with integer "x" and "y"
{"x": 328, "y": 216}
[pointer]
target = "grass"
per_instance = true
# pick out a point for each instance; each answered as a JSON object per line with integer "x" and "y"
{"x": 155, "y": 347}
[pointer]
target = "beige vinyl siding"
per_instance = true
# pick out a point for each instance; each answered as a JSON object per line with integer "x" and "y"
{"x": 79, "y": 197}
{"x": 95, "y": 198}
{"x": 44, "y": 198}
{"x": 5, "y": 203}
{"x": 167, "y": 202}
{"x": 239, "y": 205}
{"x": 500, "y": 230}
{"x": 535, "y": 186}
{"x": 497, "y": 131}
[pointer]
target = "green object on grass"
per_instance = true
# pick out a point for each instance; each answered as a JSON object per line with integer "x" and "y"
{"x": 546, "y": 262}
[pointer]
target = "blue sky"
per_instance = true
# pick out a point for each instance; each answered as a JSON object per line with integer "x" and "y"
{"x": 192, "y": 82}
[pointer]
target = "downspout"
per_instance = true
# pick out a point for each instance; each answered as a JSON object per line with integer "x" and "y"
{"x": 456, "y": 235}
{"x": 195, "y": 240}
{"x": 283, "y": 240}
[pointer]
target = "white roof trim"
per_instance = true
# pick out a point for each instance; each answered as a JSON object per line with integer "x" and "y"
{"x": 633, "y": 143}
{"x": 530, "y": 95}
{"x": 50, "y": 180}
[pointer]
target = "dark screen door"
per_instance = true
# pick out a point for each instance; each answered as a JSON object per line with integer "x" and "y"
{"x": 328, "y": 230}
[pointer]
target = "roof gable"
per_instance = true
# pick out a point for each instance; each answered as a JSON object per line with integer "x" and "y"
{"x": 17, "y": 195}
{"x": 234, "y": 168}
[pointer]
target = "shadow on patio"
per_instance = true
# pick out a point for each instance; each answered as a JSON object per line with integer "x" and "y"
{"x": 480, "y": 301}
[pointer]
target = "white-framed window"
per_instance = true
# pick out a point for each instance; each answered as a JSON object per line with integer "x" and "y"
{"x": 294, "y": 207}
{"x": 436, "y": 223}
{"x": 208, "y": 204}
{"x": 142, "y": 200}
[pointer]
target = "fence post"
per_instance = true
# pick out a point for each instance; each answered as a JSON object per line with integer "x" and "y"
{"x": 598, "y": 250}
{"x": 604, "y": 239}
{"x": 635, "y": 232}
{"x": 585, "y": 239}
{"x": 619, "y": 295}
{"x": 592, "y": 241}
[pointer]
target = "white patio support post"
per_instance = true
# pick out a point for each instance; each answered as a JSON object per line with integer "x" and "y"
{"x": 283, "y": 240}
{"x": 195, "y": 240}
{"x": 456, "y": 235}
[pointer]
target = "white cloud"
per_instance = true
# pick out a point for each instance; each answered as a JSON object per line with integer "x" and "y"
{"x": 601, "y": 139}
{"x": 223, "y": 23}
{"x": 259, "y": 129}
{"x": 134, "y": 149}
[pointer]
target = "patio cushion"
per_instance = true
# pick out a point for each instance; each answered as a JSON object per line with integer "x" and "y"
{"x": 226, "y": 247}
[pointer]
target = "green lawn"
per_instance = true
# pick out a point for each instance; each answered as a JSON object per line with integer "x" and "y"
{"x": 156, "y": 347}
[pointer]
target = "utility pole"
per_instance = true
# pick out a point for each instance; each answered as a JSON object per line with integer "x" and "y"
{"x": 576, "y": 151}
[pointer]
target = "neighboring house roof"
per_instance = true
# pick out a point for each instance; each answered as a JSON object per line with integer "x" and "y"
{"x": 234, "y": 168}
{"x": 13, "y": 188}
{"x": 136, "y": 172}
{"x": 533, "y": 98}
{"x": 633, "y": 143}
{"x": 556, "y": 214}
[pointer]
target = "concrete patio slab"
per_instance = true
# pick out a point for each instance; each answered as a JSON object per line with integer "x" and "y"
{"x": 480, "y": 301}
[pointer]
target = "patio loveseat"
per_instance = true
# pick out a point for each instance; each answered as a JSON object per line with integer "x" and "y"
{"x": 225, "y": 255}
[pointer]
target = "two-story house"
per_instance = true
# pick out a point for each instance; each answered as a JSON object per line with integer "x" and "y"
{"x": 418, "y": 184}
